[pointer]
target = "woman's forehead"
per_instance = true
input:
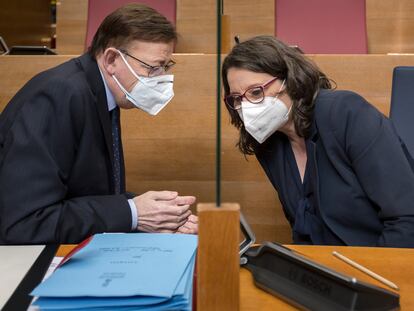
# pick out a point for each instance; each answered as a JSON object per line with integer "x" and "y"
{"x": 241, "y": 79}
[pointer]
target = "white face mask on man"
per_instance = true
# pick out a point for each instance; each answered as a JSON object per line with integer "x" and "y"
{"x": 262, "y": 120}
{"x": 150, "y": 94}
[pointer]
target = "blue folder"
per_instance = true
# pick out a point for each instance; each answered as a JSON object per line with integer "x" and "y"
{"x": 124, "y": 272}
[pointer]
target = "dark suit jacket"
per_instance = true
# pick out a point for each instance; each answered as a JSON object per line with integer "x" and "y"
{"x": 56, "y": 180}
{"x": 364, "y": 174}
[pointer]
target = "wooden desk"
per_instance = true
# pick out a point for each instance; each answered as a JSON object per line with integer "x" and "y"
{"x": 391, "y": 263}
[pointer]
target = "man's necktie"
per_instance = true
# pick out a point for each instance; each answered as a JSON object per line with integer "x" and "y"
{"x": 116, "y": 149}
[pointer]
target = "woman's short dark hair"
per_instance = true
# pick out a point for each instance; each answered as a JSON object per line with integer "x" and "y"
{"x": 132, "y": 22}
{"x": 266, "y": 54}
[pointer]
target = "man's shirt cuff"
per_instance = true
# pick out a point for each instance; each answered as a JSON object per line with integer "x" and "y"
{"x": 134, "y": 215}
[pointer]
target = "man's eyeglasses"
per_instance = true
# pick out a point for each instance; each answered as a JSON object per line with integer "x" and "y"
{"x": 254, "y": 94}
{"x": 153, "y": 70}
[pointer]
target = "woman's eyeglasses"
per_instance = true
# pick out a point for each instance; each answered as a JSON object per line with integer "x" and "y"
{"x": 254, "y": 94}
{"x": 153, "y": 70}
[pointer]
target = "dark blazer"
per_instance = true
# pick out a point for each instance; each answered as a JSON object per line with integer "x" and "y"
{"x": 364, "y": 176}
{"x": 56, "y": 180}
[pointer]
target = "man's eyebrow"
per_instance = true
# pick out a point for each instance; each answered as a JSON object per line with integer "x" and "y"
{"x": 160, "y": 61}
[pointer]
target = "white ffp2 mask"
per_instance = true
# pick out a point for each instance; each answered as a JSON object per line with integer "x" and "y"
{"x": 150, "y": 94}
{"x": 262, "y": 120}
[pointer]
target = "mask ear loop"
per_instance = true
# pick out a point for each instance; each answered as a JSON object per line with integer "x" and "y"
{"x": 277, "y": 96}
{"x": 290, "y": 108}
{"x": 120, "y": 86}
{"x": 128, "y": 65}
{"x": 283, "y": 83}
{"x": 130, "y": 69}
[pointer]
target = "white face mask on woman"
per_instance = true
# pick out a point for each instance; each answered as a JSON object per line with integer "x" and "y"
{"x": 262, "y": 120}
{"x": 150, "y": 94}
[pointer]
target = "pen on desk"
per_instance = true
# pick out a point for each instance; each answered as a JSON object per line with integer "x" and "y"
{"x": 365, "y": 270}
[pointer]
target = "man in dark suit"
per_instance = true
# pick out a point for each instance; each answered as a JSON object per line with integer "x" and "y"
{"x": 61, "y": 164}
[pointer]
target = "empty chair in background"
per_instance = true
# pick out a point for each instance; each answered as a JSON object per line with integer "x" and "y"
{"x": 402, "y": 104}
{"x": 322, "y": 26}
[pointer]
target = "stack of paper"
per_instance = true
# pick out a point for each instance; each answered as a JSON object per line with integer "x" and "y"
{"x": 136, "y": 271}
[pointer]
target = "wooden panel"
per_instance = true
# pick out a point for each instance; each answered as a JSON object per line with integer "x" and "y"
{"x": 390, "y": 26}
{"x": 23, "y": 69}
{"x": 390, "y": 23}
{"x": 259, "y": 201}
{"x": 196, "y": 25}
{"x": 26, "y": 22}
{"x": 368, "y": 75}
{"x": 250, "y": 18}
{"x": 71, "y": 26}
{"x": 176, "y": 149}
{"x": 218, "y": 257}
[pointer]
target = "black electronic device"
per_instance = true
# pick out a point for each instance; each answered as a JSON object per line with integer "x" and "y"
{"x": 30, "y": 50}
{"x": 247, "y": 238}
{"x": 309, "y": 285}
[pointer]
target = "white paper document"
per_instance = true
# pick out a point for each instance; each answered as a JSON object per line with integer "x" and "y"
{"x": 15, "y": 261}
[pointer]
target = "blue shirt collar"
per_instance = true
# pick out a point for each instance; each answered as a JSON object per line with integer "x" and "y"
{"x": 109, "y": 96}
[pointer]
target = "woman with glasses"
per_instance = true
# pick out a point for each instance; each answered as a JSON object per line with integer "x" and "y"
{"x": 342, "y": 174}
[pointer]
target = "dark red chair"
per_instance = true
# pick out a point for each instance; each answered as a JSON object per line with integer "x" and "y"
{"x": 322, "y": 26}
